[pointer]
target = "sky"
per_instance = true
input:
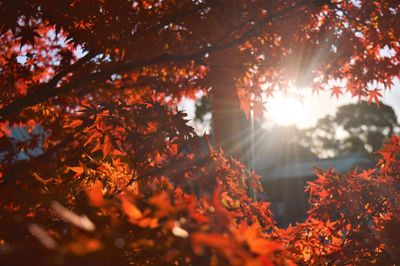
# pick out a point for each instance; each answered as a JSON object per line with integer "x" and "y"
{"x": 314, "y": 107}
{"x": 286, "y": 111}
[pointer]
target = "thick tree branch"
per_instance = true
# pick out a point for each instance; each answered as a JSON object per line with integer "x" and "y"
{"x": 39, "y": 91}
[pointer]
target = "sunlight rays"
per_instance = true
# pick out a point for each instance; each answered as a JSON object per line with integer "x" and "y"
{"x": 286, "y": 110}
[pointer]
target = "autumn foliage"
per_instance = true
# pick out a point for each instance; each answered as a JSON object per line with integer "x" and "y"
{"x": 98, "y": 167}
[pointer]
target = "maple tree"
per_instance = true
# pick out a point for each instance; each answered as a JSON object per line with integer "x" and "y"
{"x": 119, "y": 178}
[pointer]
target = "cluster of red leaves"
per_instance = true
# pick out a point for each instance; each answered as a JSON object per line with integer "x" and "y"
{"x": 155, "y": 188}
{"x": 167, "y": 47}
{"x": 145, "y": 185}
{"x": 354, "y": 219}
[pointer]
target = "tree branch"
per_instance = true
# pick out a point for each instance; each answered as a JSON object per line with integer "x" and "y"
{"x": 48, "y": 90}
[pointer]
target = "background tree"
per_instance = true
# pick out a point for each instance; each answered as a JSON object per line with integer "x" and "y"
{"x": 358, "y": 127}
{"x": 203, "y": 108}
{"x": 371, "y": 124}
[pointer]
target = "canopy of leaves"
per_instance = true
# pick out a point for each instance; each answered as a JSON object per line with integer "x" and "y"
{"x": 121, "y": 179}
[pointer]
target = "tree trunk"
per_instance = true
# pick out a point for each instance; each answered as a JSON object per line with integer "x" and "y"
{"x": 228, "y": 121}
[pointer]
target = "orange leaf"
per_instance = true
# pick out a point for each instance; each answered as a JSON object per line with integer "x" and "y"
{"x": 74, "y": 124}
{"x": 162, "y": 202}
{"x": 95, "y": 194}
{"x": 106, "y": 146}
{"x": 77, "y": 169}
{"x": 91, "y": 138}
{"x": 174, "y": 149}
{"x": 84, "y": 246}
{"x": 130, "y": 209}
{"x": 148, "y": 222}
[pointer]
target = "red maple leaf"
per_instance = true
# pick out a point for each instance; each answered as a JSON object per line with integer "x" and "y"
{"x": 374, "y": 95}
{"x": 336, "y": 91}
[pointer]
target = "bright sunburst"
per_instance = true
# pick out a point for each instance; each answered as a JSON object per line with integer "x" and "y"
{"x": 286, "y": 110}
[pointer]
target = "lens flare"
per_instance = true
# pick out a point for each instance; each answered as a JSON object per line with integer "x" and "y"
{"x": 286, "y": 110}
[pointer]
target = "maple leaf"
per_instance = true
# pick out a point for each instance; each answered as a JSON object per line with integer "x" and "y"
{"x": 95, "y": 194}
{"x": 269, "y": 92}
{"x": 130, "y": 209}
{"x": 162, "y": 202}
{"x": 84, "y": 245}
{"x": 317, "y": 89}
{"x": 367, "y": 174}
{"x": 73, "y": 124}
{"x": 78, "y": 170}
{"x": 256, "y": 243}
{"x": 336, "y": 91}
{"x": 147, "y": 222}
{"x": 214, "y": 240}
{"x": 28, "y": 36}
{"x": 374, "y": 95}
{"x": 323, "y": 193}
{"x": 91, "y": 138}
{"x": 106, "y": 146}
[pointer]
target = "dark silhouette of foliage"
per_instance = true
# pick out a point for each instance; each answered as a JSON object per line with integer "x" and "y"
{"x": 360, "y": 127}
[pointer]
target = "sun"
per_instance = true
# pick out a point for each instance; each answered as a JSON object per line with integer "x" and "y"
{"x": 286, "y": 110}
